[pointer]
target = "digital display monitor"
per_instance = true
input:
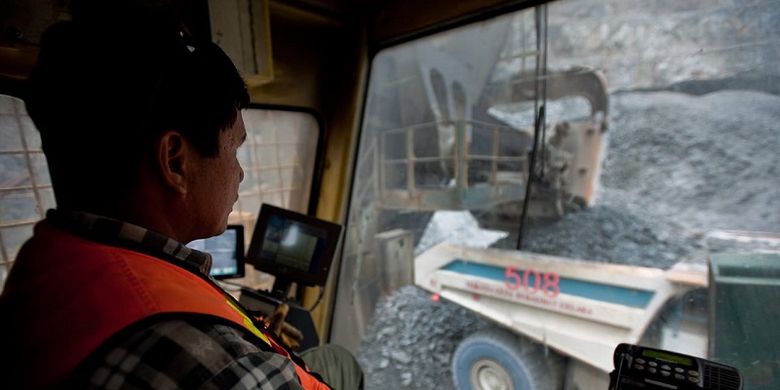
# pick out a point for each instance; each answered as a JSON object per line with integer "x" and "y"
{"x": 226, "y": 250}
{"x": 668, "y": 357}
{"x": 292, "y": 246}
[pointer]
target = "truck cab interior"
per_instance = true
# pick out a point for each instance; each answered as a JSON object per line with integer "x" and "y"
{"x": 542, "y": 180}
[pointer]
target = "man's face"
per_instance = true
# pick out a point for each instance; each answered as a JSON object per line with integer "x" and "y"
{"x": 214, "y": 188}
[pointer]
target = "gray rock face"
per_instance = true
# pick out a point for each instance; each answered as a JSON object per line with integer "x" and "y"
{"x": 657, "y": 43}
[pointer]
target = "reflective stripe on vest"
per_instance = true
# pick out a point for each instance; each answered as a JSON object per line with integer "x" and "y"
{"x": 66, "y": 296}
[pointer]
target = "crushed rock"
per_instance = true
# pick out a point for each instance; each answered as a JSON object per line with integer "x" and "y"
{"x": 416, "y": 353}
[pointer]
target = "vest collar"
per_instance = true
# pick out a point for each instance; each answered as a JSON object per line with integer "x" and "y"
{"x": 126, "y": 235}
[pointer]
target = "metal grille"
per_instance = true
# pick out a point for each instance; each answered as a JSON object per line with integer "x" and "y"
{"x": 278, "y": 162}
{"x": 25, "y": 188}
{"x": 278, "y": 159}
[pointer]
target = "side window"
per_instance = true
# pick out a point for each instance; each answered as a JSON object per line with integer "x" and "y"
{"x": 278, "y": 159}
{"x": 25, "y": 188}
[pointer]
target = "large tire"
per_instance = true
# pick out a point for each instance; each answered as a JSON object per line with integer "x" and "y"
{"x": 496, "y": 359}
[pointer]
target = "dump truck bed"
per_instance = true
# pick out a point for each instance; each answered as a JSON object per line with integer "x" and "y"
{"x": 581, "y": 308}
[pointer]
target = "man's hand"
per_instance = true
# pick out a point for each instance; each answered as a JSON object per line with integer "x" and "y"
{"x": 276, "y": 319}
{"x": 289, "y": 334}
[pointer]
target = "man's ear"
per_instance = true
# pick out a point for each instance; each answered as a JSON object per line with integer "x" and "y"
{"x": 173, "y": 160}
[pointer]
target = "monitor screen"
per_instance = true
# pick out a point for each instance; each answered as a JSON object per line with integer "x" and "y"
{"x": 293, "y": 245}
{"x": 226, "y": 250}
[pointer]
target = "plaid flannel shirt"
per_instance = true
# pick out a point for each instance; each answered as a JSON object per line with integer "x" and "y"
{"x": 187, "y": 352}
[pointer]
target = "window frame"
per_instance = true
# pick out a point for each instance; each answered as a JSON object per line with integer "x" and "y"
{"x": 319, "y": 163}
{"x": 373, "y": 49}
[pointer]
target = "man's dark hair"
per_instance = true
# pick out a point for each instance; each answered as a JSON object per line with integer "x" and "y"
{"x": 106, "y": 86}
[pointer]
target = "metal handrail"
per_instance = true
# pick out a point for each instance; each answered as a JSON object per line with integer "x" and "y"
{"x": 460, "y": 156}
{"x": 433, "y": 124}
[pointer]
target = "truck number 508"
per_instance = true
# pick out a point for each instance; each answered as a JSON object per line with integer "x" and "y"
{"x": 533, "y": 281}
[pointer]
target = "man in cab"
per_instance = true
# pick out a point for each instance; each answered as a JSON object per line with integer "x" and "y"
{"x": 140, "y": 124}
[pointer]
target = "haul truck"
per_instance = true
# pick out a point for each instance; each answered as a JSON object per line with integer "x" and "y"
{"x": 578, "y": 309}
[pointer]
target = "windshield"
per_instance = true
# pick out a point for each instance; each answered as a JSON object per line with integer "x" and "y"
{"x": 648, "y": 195}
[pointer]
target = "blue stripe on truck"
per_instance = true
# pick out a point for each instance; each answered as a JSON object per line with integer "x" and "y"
{"x": 591, "y": 290}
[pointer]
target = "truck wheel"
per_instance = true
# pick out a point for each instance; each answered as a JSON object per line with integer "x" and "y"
{"x": 496, "y": 359}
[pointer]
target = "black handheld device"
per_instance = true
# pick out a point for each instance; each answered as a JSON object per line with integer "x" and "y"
{"x": 638, "y": 367}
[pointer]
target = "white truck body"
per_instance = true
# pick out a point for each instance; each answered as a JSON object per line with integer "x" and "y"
{"x": 598, "y": 305}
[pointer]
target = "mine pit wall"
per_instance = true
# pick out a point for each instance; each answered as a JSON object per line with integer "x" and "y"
{"x": 654, "y": 44}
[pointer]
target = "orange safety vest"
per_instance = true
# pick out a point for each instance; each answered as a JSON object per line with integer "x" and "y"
{"x": 67, "y": 295}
